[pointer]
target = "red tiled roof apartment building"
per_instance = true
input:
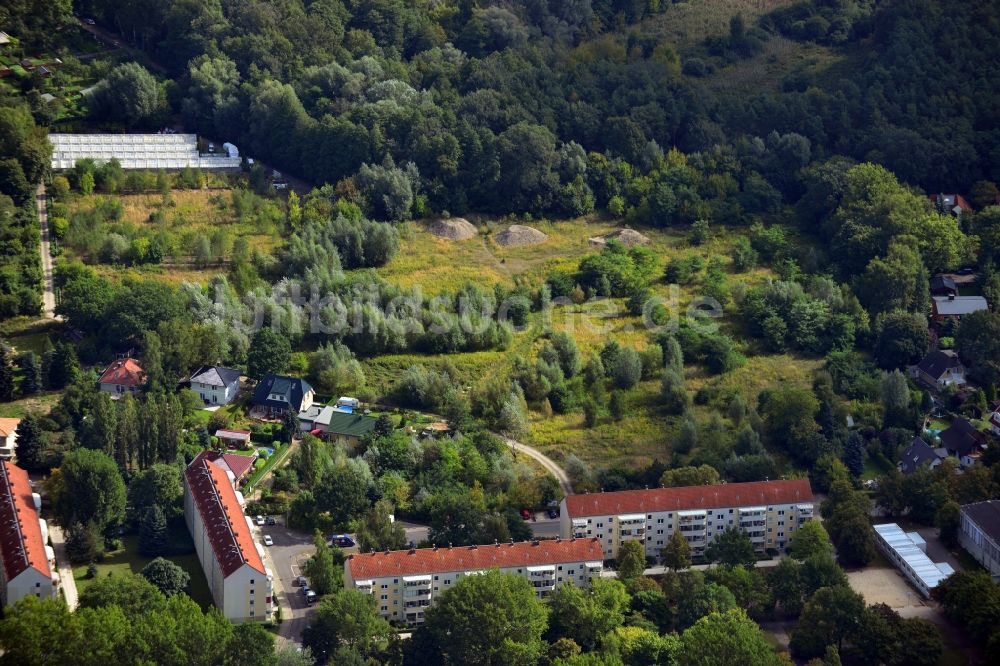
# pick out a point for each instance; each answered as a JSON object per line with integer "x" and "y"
{"x": 27, "y": 561}
{"x": 223, "y": 538}
{"x": 406, "y": 582}
{"x": 768, "y": 511}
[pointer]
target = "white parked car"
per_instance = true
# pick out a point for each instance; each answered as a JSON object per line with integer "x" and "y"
{"x": 268, "y": 541}
{"x": 260, "y": 520}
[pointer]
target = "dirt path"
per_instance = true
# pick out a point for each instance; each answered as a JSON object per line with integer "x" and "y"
{"x": 48, "y": 286}
{"x": 550, "y": 466}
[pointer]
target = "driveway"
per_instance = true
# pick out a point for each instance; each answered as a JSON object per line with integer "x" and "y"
{"x": 66, "y": 580}
{"x": 289, "y": 553}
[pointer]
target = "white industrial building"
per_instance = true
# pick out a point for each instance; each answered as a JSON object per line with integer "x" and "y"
{"x": 406, "y": 582}
{"x": 907, "y": 551}
{"x": 28, "y": 561}
{"x": 223, "y": 538}
{"x": 138, "y": 151}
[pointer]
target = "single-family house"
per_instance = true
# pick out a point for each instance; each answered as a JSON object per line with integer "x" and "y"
{"x": 963, "y": 441}
{"x": 942, "y": 285}
{"x": 276, "y": 394}
{"x": 215, "y": 385}
{"x": 233, "y": 438}
{"x": 336, "y": 425}
{"x": 236, "y": 465}
{"x": 939, "y": 369}
{"x": 951, "y": 204}
{"x": 121, "y": 377}
{"x": 956, "y": 307}
{"x": 8, "y": 437}
{"x": 920, "y": 454}
{"x": 994, "y": 421}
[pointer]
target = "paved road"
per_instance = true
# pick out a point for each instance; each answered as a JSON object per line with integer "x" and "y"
{"x": 289, "y": 553}
{"x": 48, "y": 286}
{"x": 550, "y": 466}
{"x": 67, "y": 582}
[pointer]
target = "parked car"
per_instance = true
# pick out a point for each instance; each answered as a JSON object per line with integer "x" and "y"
{"x": 553, "y": 513}
{"x": 300, "y": 581}
{"x": 260, "y": 520}
{"x": 269, "y": 520}
{"x": 310, "y": 597}
{"x": 341, "y": 540}
{"x": 268, "y": 541}
{"x": 89, "y": 21}
{"x": 305, "y": 590}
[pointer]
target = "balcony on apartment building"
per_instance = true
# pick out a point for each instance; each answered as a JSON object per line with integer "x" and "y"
{"x": 579, "y": 528}
{"x": 632, "y": 526}
{"x": 805, "y": 512}
{"x": 365, "y": 586}
{"x": 542, "y": 577}
{"x": 415, "y": 617}
{"x": 594, "y": 568}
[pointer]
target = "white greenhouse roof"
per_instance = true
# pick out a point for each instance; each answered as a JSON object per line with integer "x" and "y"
{"x": 136, "y": 151}
{"x": 929, "y": 573}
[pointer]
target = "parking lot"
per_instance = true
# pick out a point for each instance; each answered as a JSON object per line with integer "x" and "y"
{"x": 289, "y": 552}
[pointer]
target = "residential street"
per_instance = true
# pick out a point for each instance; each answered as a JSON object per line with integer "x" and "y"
{"x": 289, "y": 553}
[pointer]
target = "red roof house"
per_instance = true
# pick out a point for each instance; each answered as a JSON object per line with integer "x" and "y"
{"x": 121, "y": 377}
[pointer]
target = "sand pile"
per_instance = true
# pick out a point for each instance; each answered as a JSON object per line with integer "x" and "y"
{"x": 627, "y": 237}
{"x": 517, "y": 235}
{"x": 455, "y": 228}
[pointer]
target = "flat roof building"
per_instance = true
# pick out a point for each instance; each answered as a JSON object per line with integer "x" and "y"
{"x": 223, "y": 538}
{"x": 980, "y": 534}
{"x": 27, "y": 561}
{"x": 406, "y": 582}
{"x": 136, "y": 151}
{"x": 906, "y": 550}
{"x": 767, "y": 511}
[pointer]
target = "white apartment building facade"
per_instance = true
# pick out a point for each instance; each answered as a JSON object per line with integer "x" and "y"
{"x": 233, "y": 562}
{"x": 406, "y": 582}
{"x": 27, "y": 561}
{"x": 769, "y": 512}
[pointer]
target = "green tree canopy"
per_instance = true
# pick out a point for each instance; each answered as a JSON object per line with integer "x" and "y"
{"x": 726, "y": 638}
{"x": 490, "y": 620}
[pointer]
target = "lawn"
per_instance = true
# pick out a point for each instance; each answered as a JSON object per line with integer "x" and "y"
{"x": 128, "y": 560}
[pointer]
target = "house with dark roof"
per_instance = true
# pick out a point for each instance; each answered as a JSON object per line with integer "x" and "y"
{"x": 942, "y": 285}
{"x": 956, "y": 307}
{"x": 938, "y": 369}
{"x": 404, "y": 583}
{"x": 121, "y": 377}
{"x": 920, "y": 454}
{"x": 963, "y": 441}
{"x": 223, "y": 539}
{"x": 336, "y": 424}
{"x": 276, "y": 394}
{"x": 215, "y": 385}
{"x": 27, "y": 562}
{"x": 979, "y": 534}
{"x": 768, "y": 512}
